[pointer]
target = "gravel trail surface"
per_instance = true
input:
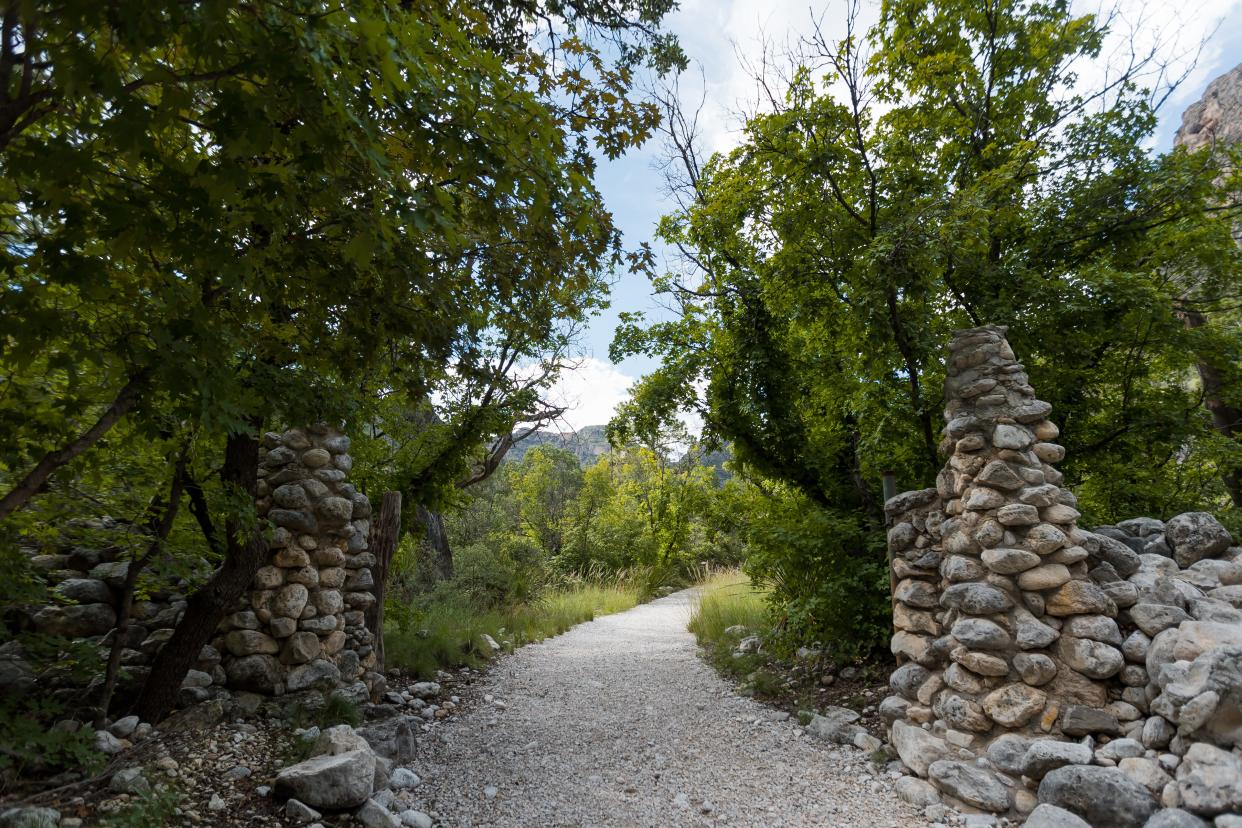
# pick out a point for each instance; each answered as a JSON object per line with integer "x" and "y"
{"x": 620, "y": 722}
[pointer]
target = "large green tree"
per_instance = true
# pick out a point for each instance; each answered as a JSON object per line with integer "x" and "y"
{"x": 217, "y": 218}
{"x": 949, "y": 169}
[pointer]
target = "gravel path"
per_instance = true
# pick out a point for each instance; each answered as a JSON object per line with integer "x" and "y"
{"x": 620, "y": 722}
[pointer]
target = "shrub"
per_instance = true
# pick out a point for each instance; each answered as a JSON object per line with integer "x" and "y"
{"x": 30, "y": 744}
{"x": 158, "y": 807}
{"x": 729, "y": 599}
{"x": 491, "y": 574}
{"x": 826, "y": 574}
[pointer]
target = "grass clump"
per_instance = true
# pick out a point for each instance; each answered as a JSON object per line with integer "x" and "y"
{"x": 729, "y": 600}
{"x": 446, "y": 630}
{"x": 731, "y": 608}
{"x": 156, "y": 807}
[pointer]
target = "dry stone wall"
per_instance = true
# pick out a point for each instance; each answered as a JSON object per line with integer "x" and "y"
{"x": 302, "y": 626}
{"x": 1038, "y": 662}
{"x": 299, "y": 629}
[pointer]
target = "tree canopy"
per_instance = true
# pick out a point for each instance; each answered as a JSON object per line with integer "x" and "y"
{"x": 950, "y": 168}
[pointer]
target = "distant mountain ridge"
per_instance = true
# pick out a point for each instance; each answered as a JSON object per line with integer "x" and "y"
{"x": 588, "y": 444}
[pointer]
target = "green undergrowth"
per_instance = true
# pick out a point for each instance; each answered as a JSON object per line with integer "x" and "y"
{"x": 156, "y": 807}
{"x": 731, "y": 608}
{"x": 446, "y": 630}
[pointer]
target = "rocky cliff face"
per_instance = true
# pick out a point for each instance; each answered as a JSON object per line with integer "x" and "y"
{"x": 1217, "y": 118}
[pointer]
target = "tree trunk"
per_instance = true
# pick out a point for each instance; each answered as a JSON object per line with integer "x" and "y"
{"x": 1226, "y": 419}
{"x": 435, "y": 560}
{"x": 207, "y": 606}
{"x": 160, "y": 532}
{"x": 385, "y": 533}
{"x": 29, "y": 485}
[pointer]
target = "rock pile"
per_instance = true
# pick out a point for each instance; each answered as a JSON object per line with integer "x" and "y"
{"x": 355, "y": 770}
{"x": 1096, "y": 672}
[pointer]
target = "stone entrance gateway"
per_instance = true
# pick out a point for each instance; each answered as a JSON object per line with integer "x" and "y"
{"x": 302, "y": 625}
{"x": 1042, "y": 663}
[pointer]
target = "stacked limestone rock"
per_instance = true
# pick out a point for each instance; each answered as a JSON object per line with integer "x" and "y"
{"x": 1008, "y": 639}
{"x": 1009, "y": 630}
{"x": 302, "y": 626}
{"x": 86, "y": 581}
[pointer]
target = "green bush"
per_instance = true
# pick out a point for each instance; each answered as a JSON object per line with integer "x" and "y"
{"x": 826, "y": 574}
{"x": 492, "y": 574}
{"x": 729, "y": 599}
{"x": 158, "y": 807}
{"x": 30, "y": 745}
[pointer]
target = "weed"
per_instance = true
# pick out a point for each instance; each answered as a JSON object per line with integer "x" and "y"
{"x": 30, "y": 744}
{"x": 447, "y": 630}
{"x": 728, "y": 600}
{"x": 154, "y": 808}
{"x": 334, "y": 710}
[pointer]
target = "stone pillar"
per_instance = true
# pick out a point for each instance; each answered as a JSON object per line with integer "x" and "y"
{"x": 1012, "y": 631}
{"x": 914, "y": 544}
{"x": 302, "y": 626}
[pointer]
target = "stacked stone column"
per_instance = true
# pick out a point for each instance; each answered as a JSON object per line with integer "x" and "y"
{"x": 302, "y": 625}
{"x": 1009, "y": 631}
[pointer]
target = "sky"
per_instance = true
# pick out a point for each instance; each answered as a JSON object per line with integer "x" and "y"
{"x": 721, "y": 37}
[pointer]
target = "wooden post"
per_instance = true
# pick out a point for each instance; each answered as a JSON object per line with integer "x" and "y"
{"x": 385, "y": 533}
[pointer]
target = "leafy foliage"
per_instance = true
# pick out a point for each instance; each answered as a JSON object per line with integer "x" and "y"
{"x": 945, "y": 170}
{"x": 30, "y": 745}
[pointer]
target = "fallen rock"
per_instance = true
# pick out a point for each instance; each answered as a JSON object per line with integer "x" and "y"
{"x": 917, "y": 792}
{"x": 124, "y": 727}
{"x": 403, "y": 779}
{"x": 301, "y": 813}
{"x": 835, "y": 725}
{"x": 29, "y": 818}
{"x": 335, "y": 782}
{"x": 1175, "y": 818}
{"x": 415, "y": 819}
{"x": 107, "y": 744}
{"x": 1209, "y": 780}
{"x": 917, "y": 748}
{"x": 391, "y": 738}
{"x": 339, "y": 739}
{"x": 129, "y": 781}
{"x": 1195, "y": 536}
{"x": 1050, "y": 816}
{"x": 374, "y": 815}
{"x": 425, "y": 690}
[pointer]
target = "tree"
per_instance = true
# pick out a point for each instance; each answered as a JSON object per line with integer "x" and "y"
{"x": 545, "y": 488}
{"x": 238, "y": 218}
{"x": 956, "y": 173}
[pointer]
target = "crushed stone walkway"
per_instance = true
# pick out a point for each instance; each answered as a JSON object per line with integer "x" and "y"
{"x": 620, "y": 722}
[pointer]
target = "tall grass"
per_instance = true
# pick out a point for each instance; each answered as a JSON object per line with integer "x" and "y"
{"x": 448, "y": 630}
{"x": 728, "y": 599}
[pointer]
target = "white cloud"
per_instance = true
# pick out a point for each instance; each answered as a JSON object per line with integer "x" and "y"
{"x": 728, "y": 39}
{"x": 591, "y": 391}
